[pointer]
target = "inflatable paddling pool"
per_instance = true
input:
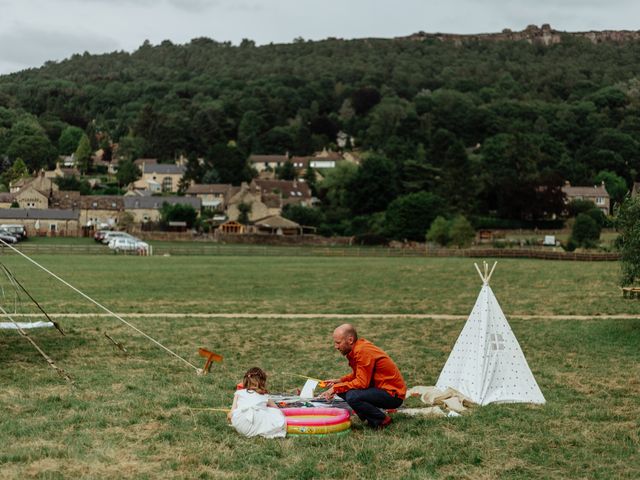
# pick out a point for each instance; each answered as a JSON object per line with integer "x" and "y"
{"x": 317, "y": 421}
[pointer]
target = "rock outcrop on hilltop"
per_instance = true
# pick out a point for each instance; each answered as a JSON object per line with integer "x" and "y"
{"x": 544, "y": 35}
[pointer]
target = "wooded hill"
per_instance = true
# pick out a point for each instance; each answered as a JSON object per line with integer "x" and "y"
{"x": 475, "y": 128}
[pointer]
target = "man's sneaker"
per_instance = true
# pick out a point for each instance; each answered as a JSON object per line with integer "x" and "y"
{"x": 385, "y": 423}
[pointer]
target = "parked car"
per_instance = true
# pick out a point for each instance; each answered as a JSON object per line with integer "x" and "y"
{"x": 121, "y": 244}
{"x": 7, "y": 237}
{"x": 16, "y": 230}
{"x": 108, "y": 236}
{"x": 99, "y": 235}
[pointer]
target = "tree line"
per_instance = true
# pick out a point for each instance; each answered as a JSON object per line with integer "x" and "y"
{"x": 486, "y": 130}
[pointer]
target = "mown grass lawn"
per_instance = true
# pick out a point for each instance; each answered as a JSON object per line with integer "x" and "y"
{"x": 135, "y": 415}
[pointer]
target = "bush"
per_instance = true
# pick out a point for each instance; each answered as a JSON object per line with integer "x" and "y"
{"x": 409, "y": 216}
{"x": 570, "y": 246}
{"x": 439, "y": 231}
{"x": 462, "y": 232}
{"x": 586, "y": 231}
{"x": 598, "y": 216}
{"x": 458, "y": 232}
{"x": 307, "y": 216}
{"x": 576, "y": 207}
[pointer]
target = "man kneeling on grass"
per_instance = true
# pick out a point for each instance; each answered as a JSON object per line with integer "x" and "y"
{"x": 375, "y": 382}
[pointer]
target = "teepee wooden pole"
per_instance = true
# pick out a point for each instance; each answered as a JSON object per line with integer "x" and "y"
{"x": 491, "y": 272}
{"x": 479, "y": 272}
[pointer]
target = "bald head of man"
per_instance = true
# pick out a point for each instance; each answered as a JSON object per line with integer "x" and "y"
{"x": 344, "y": 337}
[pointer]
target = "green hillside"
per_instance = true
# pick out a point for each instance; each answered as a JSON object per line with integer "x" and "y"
{"x": 479, "y": 127}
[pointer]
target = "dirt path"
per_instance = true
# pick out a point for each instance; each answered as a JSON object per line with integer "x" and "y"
{"x": 382, "y": 316}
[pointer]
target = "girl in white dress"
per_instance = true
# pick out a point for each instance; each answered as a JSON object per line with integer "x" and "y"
{"x": 252, "y": 413}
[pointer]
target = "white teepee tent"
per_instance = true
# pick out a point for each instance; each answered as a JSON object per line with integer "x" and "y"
{"x": 486, "y": 363}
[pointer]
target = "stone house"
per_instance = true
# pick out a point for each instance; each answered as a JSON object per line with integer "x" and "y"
{"x": 147, "y": 209}
{"x": 162, "y": 177}
{"x": 214, "y": 196}
{"x": 30, "y": 197}
{"x": 267, "y": 162}
{"x": 40, "y": 182}
{"x": 6, "y": 199}
{"x": 44, "y": 222}
{"x": 99, "y": 210}
{"x": 597, "y": 194}
{"x": 248, "y": 195}
{"x": 95, "y": 211}
{"x": 289, "y": 192}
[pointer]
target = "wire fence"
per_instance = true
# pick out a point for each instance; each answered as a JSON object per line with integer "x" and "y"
{"x": 310, "y": 251}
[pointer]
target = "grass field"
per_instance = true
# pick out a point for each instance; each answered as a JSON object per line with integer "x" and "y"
{"x": 128, "y": 416}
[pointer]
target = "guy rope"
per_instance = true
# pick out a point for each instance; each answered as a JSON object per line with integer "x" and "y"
{"x": 51, "y": 363}
{"x": 199, "y": 371}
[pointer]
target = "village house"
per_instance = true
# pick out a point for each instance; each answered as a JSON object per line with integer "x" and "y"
{"x": 159, "y": 177}
{"x": 325, "y": 159}
{"x": 98, "y": 211}
{"x": 597, "y": 194}
{"x": 65, "y": 200}
{"x": 301, "y": 164}
{"x": 289, "y": 192}
{"x": 262, "y": 163}
{"x": 30, "y": 197}
{"x": 6, "y": 199}
{"x": 95, "y": 211}
{"x": 251, "y": 196}
{"x": 39, "y": 182}
{"x": 147, "y": 209}
{"x": 43, "y": 222}
{"x": 213, "y": 196}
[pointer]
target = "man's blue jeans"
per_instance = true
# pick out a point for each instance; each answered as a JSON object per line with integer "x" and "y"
{"x": 368, "y": 402}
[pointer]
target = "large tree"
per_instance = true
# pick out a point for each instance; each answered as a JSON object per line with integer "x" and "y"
{"x": 374, "y": 185}
{"x": 409, "y": 217}
{"x": 36, "y": 151}
{"x": 128, "y": 172}
{"x": 69, "y": 140}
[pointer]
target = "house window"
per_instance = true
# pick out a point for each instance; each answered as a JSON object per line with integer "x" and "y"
{"x": 94, "y": 204}
{"x": 167, "y": 184}
{"x": 113, "y": 205}
{"x": 145, "y": 218}
{"x": 53, "y": 227}
{"x": 599, "y": 200}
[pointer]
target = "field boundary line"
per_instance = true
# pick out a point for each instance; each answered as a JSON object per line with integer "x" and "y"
{"x": 302, "y": 316}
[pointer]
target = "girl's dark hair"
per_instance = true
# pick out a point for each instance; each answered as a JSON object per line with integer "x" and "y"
{"x": 255, "y": 379}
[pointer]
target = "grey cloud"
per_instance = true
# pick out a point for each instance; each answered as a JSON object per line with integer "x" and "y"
{"x": 194, "y": 5}
{"x": 26, "y": 46}
{"x": 189, "y": 5}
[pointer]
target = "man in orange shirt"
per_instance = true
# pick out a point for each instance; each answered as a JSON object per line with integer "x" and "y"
{"x": 374, "y": 383}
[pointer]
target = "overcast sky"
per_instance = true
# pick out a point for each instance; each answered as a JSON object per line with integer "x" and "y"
{"x": 34, "y": 31}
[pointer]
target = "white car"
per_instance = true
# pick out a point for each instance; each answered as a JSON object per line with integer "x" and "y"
{"x": 121, "y": 244}
{"x": 108, "y": 236}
